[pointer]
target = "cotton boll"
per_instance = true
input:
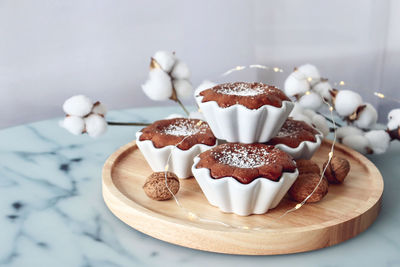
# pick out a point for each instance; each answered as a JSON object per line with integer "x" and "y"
{"x": 173, "y": 116}
{"x": 379, "y": 141}
{"x": 78, "y": 105}
{"x": 311, "y": 72}
{"x": 180, "y": 71}
{"x": 165, "y": 59}
{"x": 302, "y": 117}
{"x": 394, "y": 119}
{"x": 311, "y": 101}
{"x": 297, "y": 109}
{"x": 320, "y": 123}
{"x": 183, "y": 88}
{"x": 99, "y": 108}
{"x": 159, "y": 86}
{"x": 347, "y": 102}
{"x": 197, "y": 115}
{"x": 96, "y": 125}
{"x": 73, "y": 124}
{"x": 296, "y": 84}
{"x": 323, "y": 89}
{"x": 348, "y": 130}
{"x": 367, "y": 117}
{"x": 204, "y": 86}
{"x": 357, "y": 142}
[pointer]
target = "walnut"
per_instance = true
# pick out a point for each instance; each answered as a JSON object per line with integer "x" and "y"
{"x": 155, "y": 187}
{"x": 307, "y": 166}
{"x": 337, "y": 170}
{"x": 305, "y": 184}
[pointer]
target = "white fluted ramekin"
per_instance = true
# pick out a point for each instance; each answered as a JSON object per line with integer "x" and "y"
{"x": 231, "y": 196}
{"x": 305, "y": 150}
{"x": 238, "y": 123}
{"x": 181, "y": 161}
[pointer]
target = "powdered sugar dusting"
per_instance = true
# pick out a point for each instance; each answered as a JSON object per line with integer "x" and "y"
{"x": 242, "y": 89}
{"x": 244, "y": 157}
{"x": 184, "y": 128}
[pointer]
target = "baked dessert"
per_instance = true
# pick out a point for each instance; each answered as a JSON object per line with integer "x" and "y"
{"x": 244, "y": 112}
{"x": 244, "y": 178}
{"x": 298, "y": 139}
{"x": 181, "y": 138}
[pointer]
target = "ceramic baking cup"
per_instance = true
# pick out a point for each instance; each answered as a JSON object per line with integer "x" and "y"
{"x": 180, "y": 162}
{"x": 231, "y": 196}
{"x": 305, "y": 150}
{"x": 238, "y": 123}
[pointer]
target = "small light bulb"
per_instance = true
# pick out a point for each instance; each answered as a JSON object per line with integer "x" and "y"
{"x": 331, "y": 108}
{"x": 308, "y": 92}
{"x": 341, "y": 83}
{"x": 309, "y": 79}
{"x": 166, "y": 167}
{"x": 276, "y": 69}
{"x": 380, "y": 95}
{"x": 192, "y": 216}
{"x": 330, "y": 154}
{"x": 298, "y": 206}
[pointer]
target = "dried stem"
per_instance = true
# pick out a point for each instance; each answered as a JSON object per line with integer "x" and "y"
{"x": 127, "y": 123}
{"x": 328, "y": 119}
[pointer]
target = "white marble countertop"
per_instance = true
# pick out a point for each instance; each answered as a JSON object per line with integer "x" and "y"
{"x": 52, "y": 212}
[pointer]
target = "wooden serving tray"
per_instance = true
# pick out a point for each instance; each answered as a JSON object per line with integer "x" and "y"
{"x": 346, "y": 211}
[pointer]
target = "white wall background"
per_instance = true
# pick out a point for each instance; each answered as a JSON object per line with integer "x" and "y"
{"x": 52, "y": 49}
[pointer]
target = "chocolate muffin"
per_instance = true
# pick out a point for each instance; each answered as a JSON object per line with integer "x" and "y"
{"x": 174, "y": 142}
{"x": 297, "y": 138}
{"x": 182, "y": 131}
{"x": 246, "y": 162}
{"x": 293, "y": 133}
{"x": 244, "y": 178}
{"x": 244, "y": 112}
{"x": 251, "y": 95}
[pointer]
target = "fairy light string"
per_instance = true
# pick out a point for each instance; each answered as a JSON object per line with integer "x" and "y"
{"x": 194, "y": 217}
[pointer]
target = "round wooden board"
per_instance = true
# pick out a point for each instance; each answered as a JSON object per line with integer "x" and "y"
{"x": 346, "y": 211}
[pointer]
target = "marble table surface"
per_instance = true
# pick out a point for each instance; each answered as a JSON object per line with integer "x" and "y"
{"x": 52, "y": 212}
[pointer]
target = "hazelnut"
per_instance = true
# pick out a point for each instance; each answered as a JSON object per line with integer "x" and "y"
{"x": 155, "y": 187}
{"x": 307, "y": 166}
{"x": 305, "y": 184}
{"x": 337, "y": 170}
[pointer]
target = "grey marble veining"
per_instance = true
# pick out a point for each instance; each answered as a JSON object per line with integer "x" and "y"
{"x": 52, "y": 212}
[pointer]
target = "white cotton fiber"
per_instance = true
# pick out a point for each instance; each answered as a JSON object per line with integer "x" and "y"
{"x": 320, "y": 123}
{"x": 183, "y": 88}
{"x": 394, "y": 119}
{"x": 73, "y": 124}
{"x": 99, "y": 108}
{"x": 348, "y": 130}
{"x": 357, "y": 142}
{"x": 95, "y": 125}
{"x": 379, "y": 141}
{"x": 78, "y": 105}
{"x": 180, "y": 71}
{"x": 323, "y": 89}
{"x": 367, "y": 118}
{"x": 347, "y": 102}
{"x": 311, "y": 72}
{"x": 165, "y": 59}
{"x": 159, "y": 86}
{"x": 296, "y": 84}
{"x": 311, "y": 101}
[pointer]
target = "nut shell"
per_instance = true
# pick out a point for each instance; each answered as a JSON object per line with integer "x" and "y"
{"x": 337, "y": 170}
{"x": 304, "y": 186}
{"x": 155, "y": 187}
{"x": 307, "y": 166}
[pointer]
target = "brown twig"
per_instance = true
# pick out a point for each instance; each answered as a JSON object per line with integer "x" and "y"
{"x": 114, "y": 123}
